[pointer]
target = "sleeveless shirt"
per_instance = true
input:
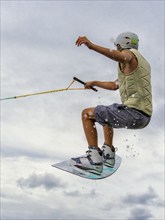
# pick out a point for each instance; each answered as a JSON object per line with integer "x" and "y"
{"x": 135, "y": 88}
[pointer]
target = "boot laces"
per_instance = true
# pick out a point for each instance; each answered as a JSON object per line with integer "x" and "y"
{"x": 88, "y": 153}
{"x": 115, "y": 149}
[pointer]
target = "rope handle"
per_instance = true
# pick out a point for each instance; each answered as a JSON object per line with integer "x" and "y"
{"x": 80, "y": 81}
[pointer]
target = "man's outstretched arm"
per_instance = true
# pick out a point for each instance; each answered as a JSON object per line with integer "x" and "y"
{"x": 124, "y": 56}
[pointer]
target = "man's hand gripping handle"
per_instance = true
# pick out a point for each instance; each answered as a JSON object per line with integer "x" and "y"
{"x": 80, "y": 81}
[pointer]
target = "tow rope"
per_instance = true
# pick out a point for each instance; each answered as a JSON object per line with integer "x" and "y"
{"x": 52, "y": 91}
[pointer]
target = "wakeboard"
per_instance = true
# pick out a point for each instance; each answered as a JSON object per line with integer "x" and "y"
{"x": 107, "y": 171}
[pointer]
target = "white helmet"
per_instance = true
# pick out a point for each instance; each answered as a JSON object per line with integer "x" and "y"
{"x": 127, "y": 40}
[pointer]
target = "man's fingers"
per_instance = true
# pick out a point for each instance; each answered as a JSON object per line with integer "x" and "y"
{"x": 81, "y": 40}
{"x": 77, "y": 41}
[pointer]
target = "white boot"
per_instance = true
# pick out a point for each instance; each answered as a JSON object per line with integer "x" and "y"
{"x": 92, "y": 162}
{"x": 108, "y": 155}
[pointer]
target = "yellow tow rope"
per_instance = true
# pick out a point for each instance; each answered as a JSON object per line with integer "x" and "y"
{"x": 51, "y": 91}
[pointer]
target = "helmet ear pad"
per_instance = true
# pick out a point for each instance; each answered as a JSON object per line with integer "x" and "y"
{"x": 119, "y": 47}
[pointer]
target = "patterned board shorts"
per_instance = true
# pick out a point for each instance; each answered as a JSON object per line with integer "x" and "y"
{"x": 121, "y": 116}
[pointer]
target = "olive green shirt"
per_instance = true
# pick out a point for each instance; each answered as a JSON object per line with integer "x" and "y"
{"x": 135, "y": 88}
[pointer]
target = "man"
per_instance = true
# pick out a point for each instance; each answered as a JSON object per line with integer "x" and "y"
{"x": 134, "y": 84}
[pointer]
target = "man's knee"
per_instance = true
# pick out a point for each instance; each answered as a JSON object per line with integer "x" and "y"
{"x": 88, "y": 113}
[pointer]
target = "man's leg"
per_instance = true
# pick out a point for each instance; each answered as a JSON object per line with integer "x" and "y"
{"x": 108, "y": 148}
{"x": 90, "y": 129}
{"x": 88, "y": 121}
{"x": 93, "y": 162}
{"x": 108, "y": 135}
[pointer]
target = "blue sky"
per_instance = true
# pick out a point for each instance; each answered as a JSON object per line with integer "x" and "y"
{"x": 38, "y": 53}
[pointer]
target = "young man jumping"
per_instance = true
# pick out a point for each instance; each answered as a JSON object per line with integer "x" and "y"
{"x": 134, "y": 84}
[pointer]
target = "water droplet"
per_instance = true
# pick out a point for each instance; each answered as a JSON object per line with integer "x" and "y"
{"x": 90, "y": 113}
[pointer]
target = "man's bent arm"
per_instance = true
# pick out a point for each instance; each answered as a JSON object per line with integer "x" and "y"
{"x": 104, "y": 85}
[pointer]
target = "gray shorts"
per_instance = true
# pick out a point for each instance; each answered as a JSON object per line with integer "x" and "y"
{"x": 121, "y": 116}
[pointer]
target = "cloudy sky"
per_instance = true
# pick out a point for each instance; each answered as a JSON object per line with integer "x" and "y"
{"x": 38, "y": 53}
